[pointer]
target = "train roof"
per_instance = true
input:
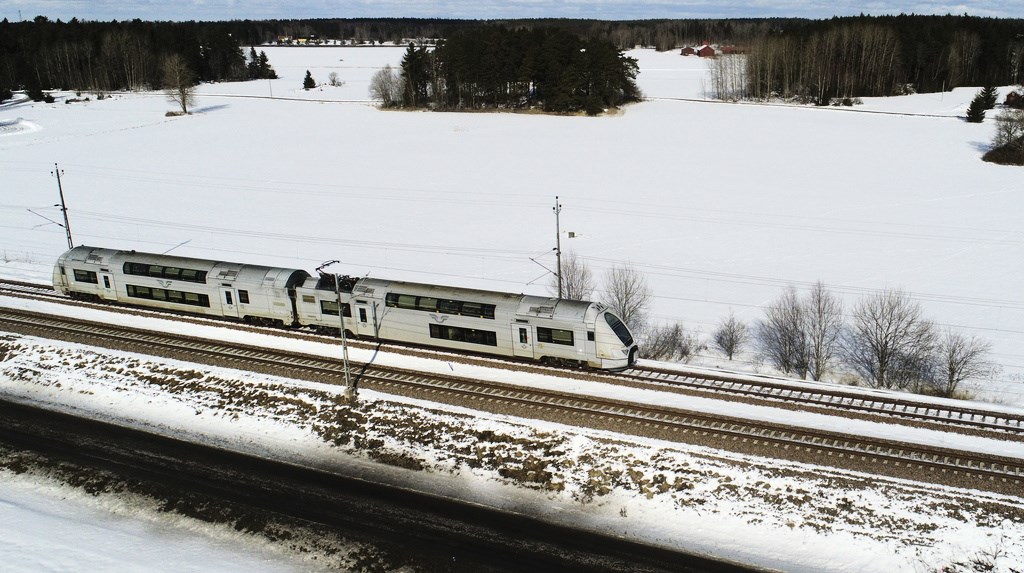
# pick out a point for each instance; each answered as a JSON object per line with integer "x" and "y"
{"x": 217, "y": 271}
{"x": 523, "y": 305}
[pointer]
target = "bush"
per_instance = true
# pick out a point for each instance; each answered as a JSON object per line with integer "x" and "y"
{"x": 35, "y": 94}
{"x": 1008, "y": 154}
{"x": 5, "y": 94}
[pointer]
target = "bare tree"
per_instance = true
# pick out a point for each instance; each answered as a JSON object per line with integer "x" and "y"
{"x": 823, "y": 316}
{"x": 577, "y": 280}
{"x": 1010, "y": 131}
{"x": 959, "y": 358}
{"x": 386, "y": 87}
{"x": 334, "y": 80}
{"x": 730, "y": 336}
{"x": 889, "y": 342}
{"x": 179, "y": 82}
{"x": 627, "y": 294}
{"x": 781, "y": 337}
{"x": 670, "y": 343}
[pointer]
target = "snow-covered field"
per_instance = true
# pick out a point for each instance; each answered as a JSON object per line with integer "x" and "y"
{"x": 720, "y": 205}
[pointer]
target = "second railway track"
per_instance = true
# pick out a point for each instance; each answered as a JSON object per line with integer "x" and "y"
{"x": 884, "y": 456}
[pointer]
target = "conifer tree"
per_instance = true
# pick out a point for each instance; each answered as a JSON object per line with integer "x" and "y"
{"x": 308, "y": 83}
{"x": 990, "y": 96}
{"x": 266, "y": 71}
{"x": 976, "y": 111}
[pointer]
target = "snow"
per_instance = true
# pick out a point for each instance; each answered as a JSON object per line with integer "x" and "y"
{"x": 720, "y": 205}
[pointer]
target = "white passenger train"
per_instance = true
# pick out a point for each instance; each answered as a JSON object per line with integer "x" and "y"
{"x": 515, "y": 325}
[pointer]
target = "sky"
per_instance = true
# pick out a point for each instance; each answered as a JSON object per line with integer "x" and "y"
{"x": 105, "y": 10}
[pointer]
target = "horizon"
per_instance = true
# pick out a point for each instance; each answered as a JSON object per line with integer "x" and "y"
{"x": 608, "y": 10}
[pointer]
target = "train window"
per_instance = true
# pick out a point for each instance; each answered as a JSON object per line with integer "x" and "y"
{"x": 106, "y": 282}
{"x": 449, "y": 306}
{"x": 590, "y": 335}
{"x": 406, "y": 301}
{"x": 524, "y": 338}
{"x": 175, "y": 296}
{"x": 457, "y": 334}
{"x": 555, "y": 336}
{"x": 86, "y": 277}
{"x": 330, "y": 307}
{"x": 619, "y": 328}
{"x": 446, "y": 306}
{"x": 227, "y": 297}
{"x": 160, "y": 271}
{"x": 243, "y": 297}
{"x": 426, "y": 303}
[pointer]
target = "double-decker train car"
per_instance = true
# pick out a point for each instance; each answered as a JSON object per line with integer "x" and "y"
{"x": 514, "y": 325}
{"x": 257, "y": 294}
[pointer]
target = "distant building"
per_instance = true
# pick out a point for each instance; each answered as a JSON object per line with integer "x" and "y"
{"x": 706, "y": 51}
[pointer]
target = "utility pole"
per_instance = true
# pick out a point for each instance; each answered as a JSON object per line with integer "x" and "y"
{"x": 63, "y": 207}
{"x": 558, "y": 244}
{"x": 349, "y": 390}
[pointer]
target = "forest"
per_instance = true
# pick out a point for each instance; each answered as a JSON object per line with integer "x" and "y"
{"x": 817, "y": 60}
{"x": 491, "y": 68}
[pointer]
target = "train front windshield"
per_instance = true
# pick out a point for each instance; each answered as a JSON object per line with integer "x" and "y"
{"x": 620, "y": 329}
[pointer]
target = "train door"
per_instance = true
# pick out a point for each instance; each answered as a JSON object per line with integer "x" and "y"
{"x": 229, "y": 301}
{"x": 522, "y": 340}
{"x": 364, "y": 319}
{"x": 107, "y": 290}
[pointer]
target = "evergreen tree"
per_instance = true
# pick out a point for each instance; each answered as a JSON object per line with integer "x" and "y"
{"x": 990, "y": 96}
{"x": 253, "y": 67}
{"x": 308, "y": 83}
{"x": 266, "y": 71}
{"x": 415, "y": 76}
{"x": 976, "y": 111}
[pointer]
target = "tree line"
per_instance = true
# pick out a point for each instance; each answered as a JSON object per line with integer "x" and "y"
{"x": 495, "y": 68}
{"x": 108, "y": 56}
{"x": 883, "y": 341}
{"x": 788, "y": 57}
{"x": 845, "y": 58}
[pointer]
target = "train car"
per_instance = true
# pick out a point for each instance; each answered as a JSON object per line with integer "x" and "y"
{"x": 506, "y": 324}
{"x": 257, "y": 294}
{"x": 514, "y": 325}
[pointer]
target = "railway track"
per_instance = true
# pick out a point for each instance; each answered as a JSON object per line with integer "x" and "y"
{"x": 889, "y": 406}
{"x": 889, "y": 457}
{"x": 884, "y": 404}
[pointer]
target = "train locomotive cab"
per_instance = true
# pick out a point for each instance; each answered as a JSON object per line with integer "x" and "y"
{"x": 615, "y": 347}
{"x": 85, "y": 273}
